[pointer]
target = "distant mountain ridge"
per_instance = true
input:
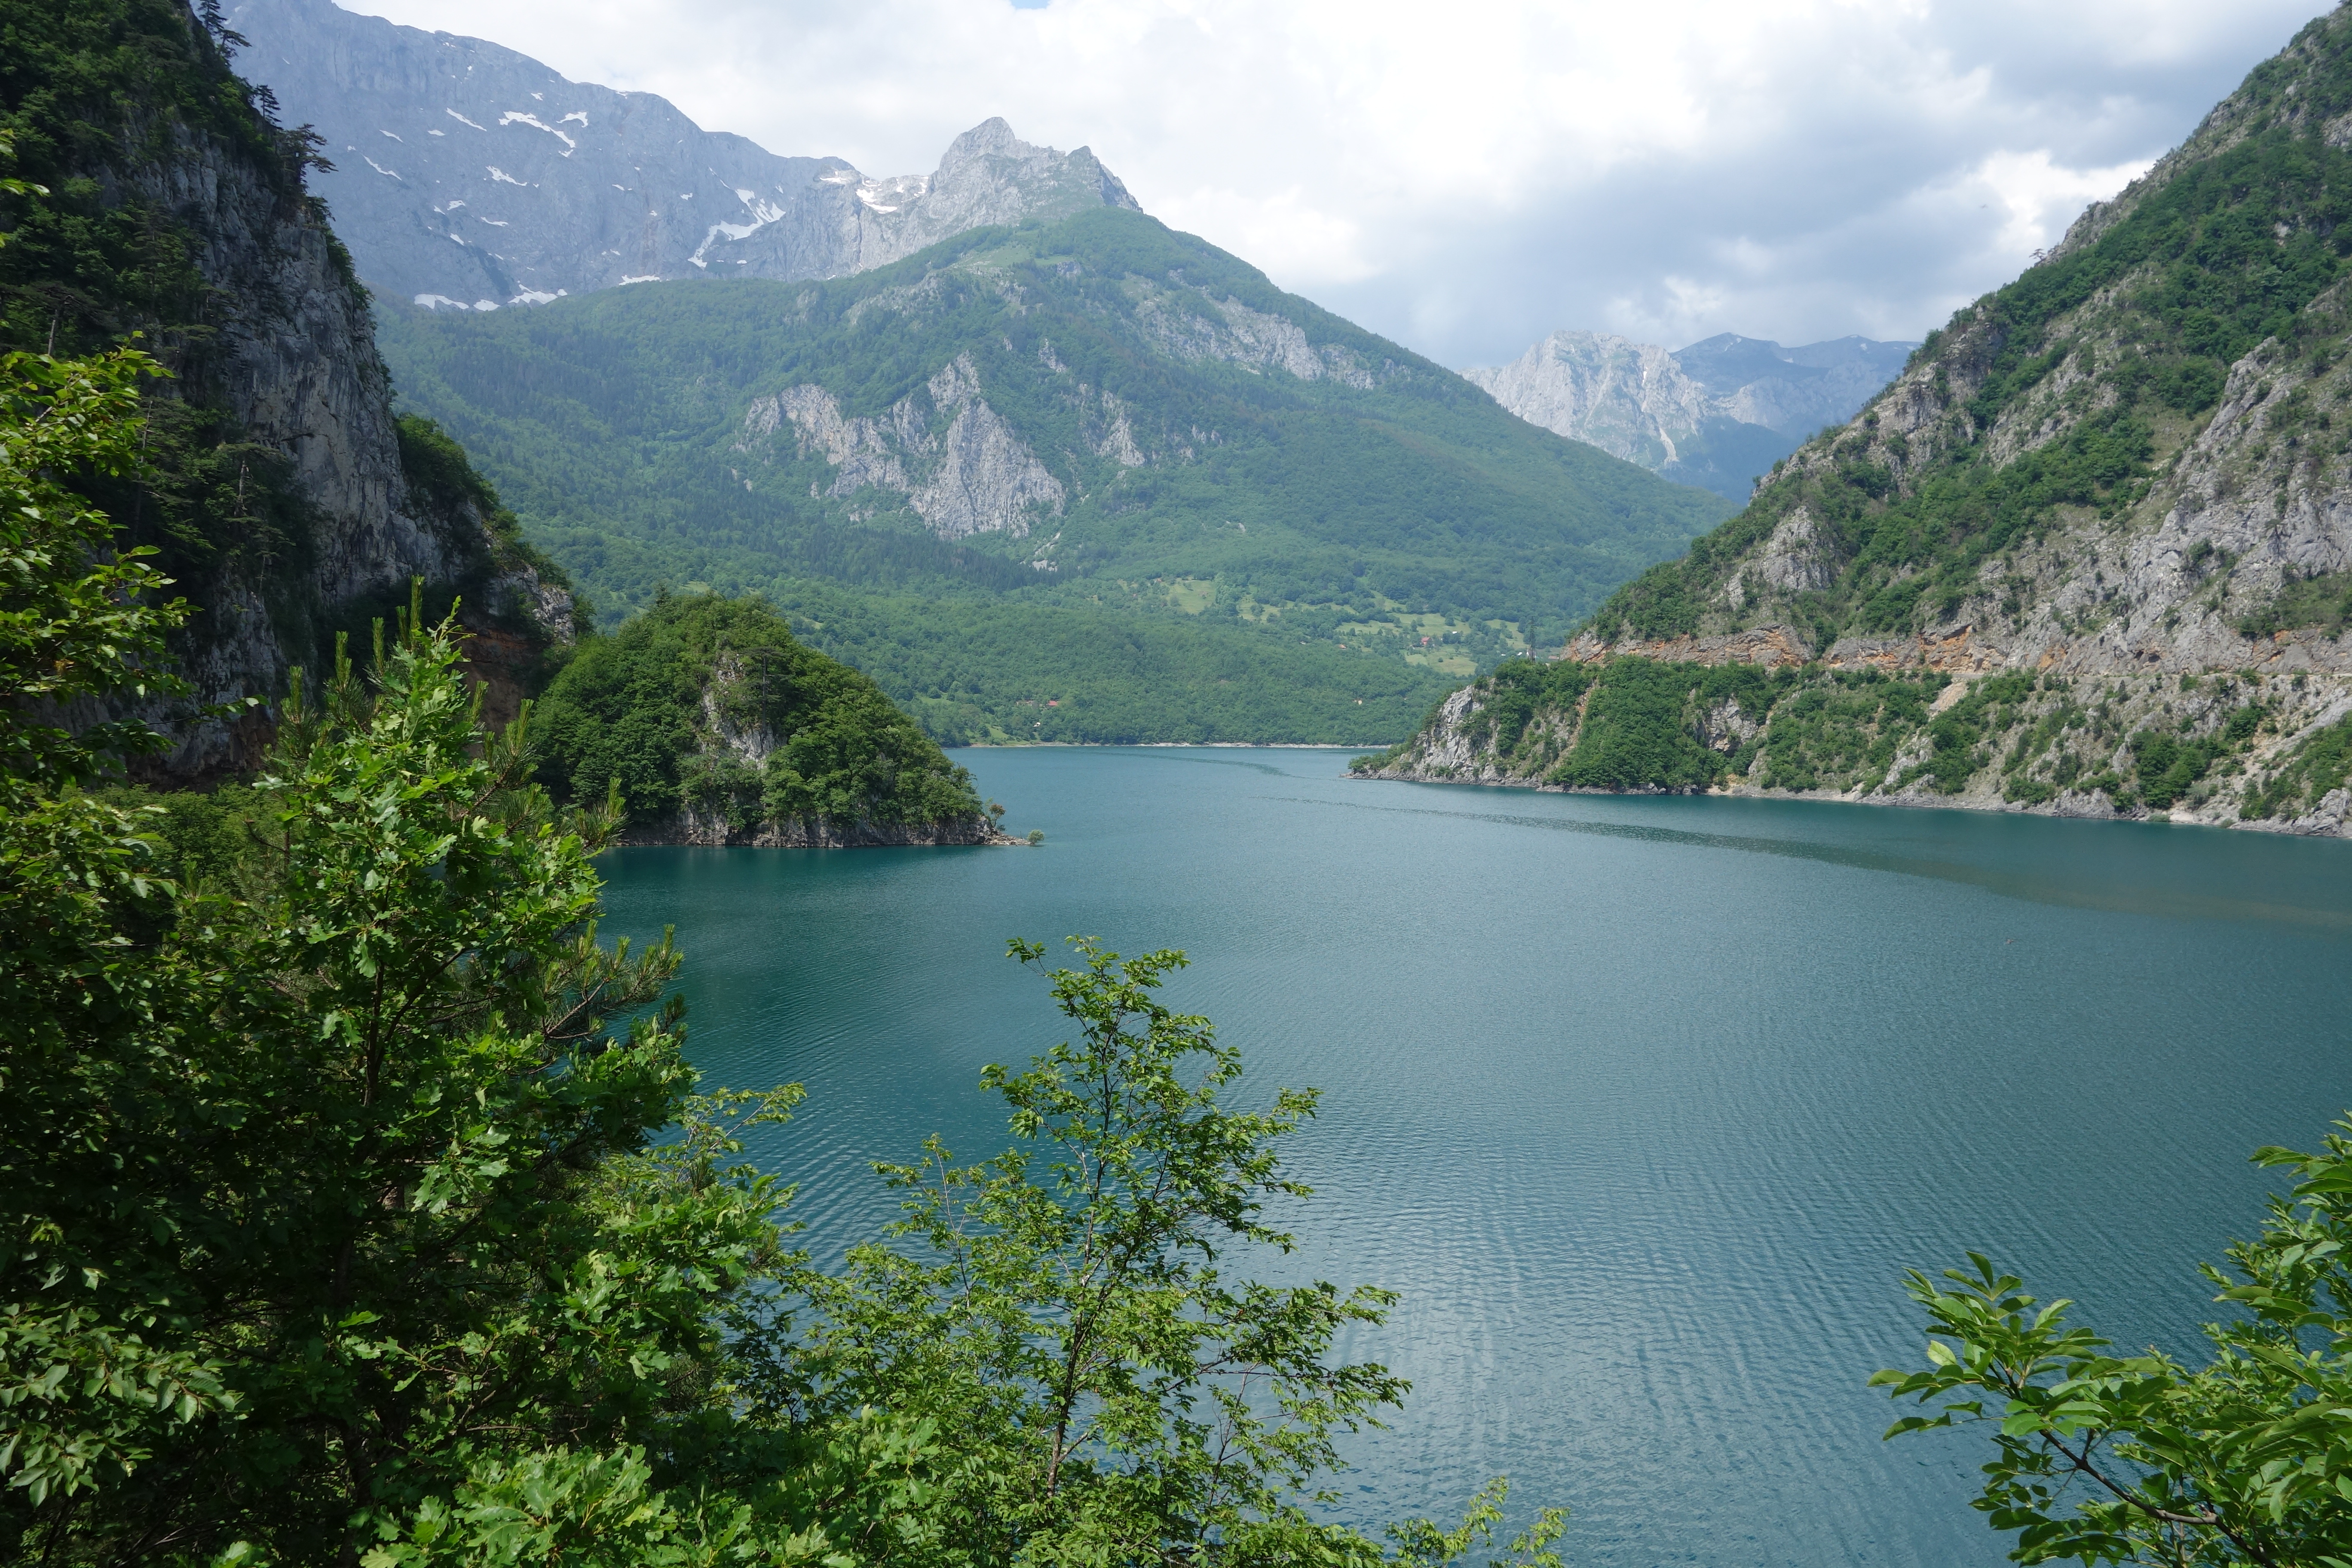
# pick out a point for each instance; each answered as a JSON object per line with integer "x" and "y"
{"x": 1717, "y": 414}
{"x": 469, "y": 176}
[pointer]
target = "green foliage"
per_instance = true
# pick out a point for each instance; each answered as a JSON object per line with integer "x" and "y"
{"x": 2239, "y": 1461}
{"x": 76, "y": 619}
{"x": 1957, "y": 736}
{"x": 337, "y": 1230}
{"x": 2167, "y": 766}
{"x": 1640, "y": 723}
{"x": 1517, "y": 692}
{"x": 642, "y": 712}
{"x": 2321, "y": 603}
{"x": 406, "y": 1004}
{"x": 616, "y": 424}
{"x": 1840, "y": 732}
{"x": 2319, "y": 766}
{"x": 978, "y": 670}
{"x": 1116, "y": 1396}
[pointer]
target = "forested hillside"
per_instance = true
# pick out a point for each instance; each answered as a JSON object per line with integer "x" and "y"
{"x": 2099, "y": 525}
{"x": 1105, "y": 481}
{"x": 716, "y": 726}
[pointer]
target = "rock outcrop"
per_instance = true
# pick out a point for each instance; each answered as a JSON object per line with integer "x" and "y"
{"x": 951, "y": 459}
{"x": 469, "y": 176}
{"x": 278, "y": 370}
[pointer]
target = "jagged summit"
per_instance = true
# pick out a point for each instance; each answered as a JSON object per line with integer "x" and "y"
{"x": 469, "y": 175}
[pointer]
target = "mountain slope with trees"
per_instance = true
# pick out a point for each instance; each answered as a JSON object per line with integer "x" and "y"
{"x": 2101, "y": 526}
{"x": 1099, "y": 428}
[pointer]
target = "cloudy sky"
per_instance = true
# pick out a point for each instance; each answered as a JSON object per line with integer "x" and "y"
{"x": 1465, "y": 177}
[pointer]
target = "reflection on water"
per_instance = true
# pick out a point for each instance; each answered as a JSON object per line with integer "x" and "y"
{"x": 2070, "y": 888}
{"x": 1641, "y": 1104}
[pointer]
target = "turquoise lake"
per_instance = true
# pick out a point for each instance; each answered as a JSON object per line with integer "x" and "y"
{"x": 1642, "y": 1105}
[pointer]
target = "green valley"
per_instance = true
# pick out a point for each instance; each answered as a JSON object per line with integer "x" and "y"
{"x": 1089, "y": 481}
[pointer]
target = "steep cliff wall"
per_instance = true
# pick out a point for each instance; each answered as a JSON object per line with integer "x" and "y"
{"x": 2104, "y": 518}
{"x": 284, "y": 502}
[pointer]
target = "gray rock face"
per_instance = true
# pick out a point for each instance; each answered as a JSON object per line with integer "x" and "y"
{"x": 301, "y": 375}
{"x": 470, "y": 176}
{"x": 1715, "y": 413}
{"x": 976, "y": 476}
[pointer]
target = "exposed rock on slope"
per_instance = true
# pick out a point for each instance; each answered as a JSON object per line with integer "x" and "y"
{"x": 2102, "y": 525}
{"x": 470, "y": 176}
{"x": 975, "y": 476}
{"x": 1717, "y": 414}
{"x": 289, "y": 504}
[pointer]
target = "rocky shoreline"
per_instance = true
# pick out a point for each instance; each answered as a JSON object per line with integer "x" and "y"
{"x": 2019, "y": 763}
{"x": 691, "y": 827}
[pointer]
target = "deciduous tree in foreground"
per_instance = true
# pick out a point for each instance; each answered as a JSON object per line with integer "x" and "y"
{"x": 359, "y": 1206}
{"x": 2106, "y": 1458}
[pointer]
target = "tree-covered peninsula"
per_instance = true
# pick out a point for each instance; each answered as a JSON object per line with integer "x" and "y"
{"x": 716, "y": 725}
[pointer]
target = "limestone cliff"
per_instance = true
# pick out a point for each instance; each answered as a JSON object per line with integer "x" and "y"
{"x": 2091, "y": 553}
{"x": 285, "y": 502}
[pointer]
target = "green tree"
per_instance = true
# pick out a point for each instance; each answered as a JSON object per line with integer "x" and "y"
{"x": 1066, "y": 1308}
{"x": 340, "y": 1224}
{"x": 2106, "y": 1458}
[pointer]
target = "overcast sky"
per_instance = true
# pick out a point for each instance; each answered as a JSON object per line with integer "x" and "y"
{"x": 1465, "y": 177}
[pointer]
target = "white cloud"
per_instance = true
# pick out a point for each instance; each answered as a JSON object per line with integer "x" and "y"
{"x": 1466, "y": 178}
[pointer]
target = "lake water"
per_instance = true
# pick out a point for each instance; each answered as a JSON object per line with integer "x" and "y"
{"x": 1640, "y": 1105}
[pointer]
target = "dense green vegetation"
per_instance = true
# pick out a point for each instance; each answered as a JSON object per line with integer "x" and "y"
{"x": 2236, "y": 246}
{"x": 1627, "y": 724}
{"x": 360, "y": 1206}
{"x": 1266, "y": 535}
{"x": 2100, "y": 1458}
{"x": 1839, "y": 731}
{"x": 650, "y": 712}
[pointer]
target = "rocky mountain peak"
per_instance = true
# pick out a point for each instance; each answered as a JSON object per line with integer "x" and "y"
{"x": 470, "y": 176}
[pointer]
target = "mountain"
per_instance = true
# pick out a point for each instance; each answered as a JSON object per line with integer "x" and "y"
{"x": 1087, "y": 480}
{"x": 1718, "y": 414}
{"x": 469, "y": 177}
{"x": 2091, "y": 553}
{"x": 288, "y": 501}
